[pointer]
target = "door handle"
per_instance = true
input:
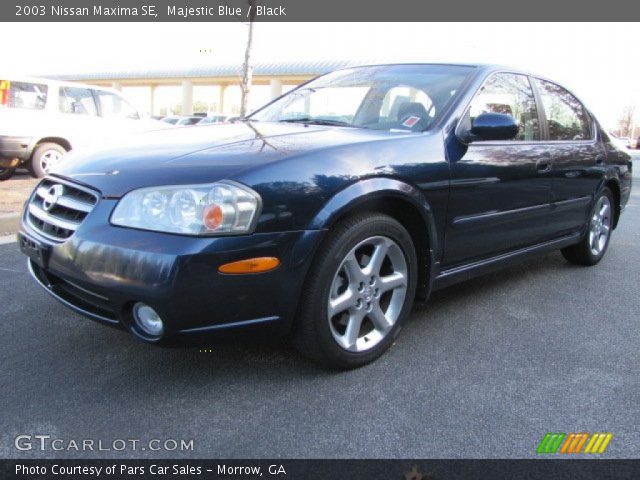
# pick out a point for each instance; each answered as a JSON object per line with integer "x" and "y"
{"x": 543, "y": 166}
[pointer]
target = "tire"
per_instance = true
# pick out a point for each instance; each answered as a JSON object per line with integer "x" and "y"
{"x": 369, "y": 317}
{"x": 595, "y": 241}
{"x": 6, "y": 173}
{"x": 44, "y": 157}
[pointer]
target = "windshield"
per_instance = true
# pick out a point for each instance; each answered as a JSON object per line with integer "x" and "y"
{"x": 388, "y": 97}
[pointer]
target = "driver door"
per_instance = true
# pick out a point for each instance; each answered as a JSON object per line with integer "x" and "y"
{"x": 500, "y": 191}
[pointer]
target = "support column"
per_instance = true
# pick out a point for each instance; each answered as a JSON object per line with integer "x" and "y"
{"x": 187, "y": 97}
{"x": 152, "y": 95}
{"x": 223, "y": 89}
{"x": 276, "y": 88}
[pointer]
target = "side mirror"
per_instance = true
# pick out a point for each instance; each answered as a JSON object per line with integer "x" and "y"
{"x": 494, "y": 126}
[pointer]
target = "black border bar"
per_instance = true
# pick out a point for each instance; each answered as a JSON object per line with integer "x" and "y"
{"x": 542, "y": 469}
{"x": 316, "y": 11}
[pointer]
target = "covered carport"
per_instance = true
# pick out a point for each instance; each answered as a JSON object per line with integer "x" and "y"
{"x": 275, "y": 75}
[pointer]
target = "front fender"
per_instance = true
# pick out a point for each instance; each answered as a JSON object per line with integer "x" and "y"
{"x": 360, "y": 193}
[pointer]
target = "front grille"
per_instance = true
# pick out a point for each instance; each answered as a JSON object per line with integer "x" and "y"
{"x": 57, "y": 208}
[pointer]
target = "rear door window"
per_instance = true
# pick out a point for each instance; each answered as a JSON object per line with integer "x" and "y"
{"x": 77, "y": 101}
{"x": 567, "y": 119}
{"x": 31, "y": 96}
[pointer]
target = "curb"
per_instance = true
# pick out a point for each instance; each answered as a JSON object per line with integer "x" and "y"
{"x": 6, "y": 239}
{"x": 9, "y": 223}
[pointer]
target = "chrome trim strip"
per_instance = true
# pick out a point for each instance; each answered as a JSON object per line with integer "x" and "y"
{"x": 65, "y": 201}
{"x": 572, "y": 202}
{"x": 230, "y": 325}
{"x": 505, "y": 215}
{"x": 45, "y": 217}
{"x": 67, "y": 304}
{"x": 89, "y": 292}
{"x": 506, "y": 256}
{"x": 82, "y": 188}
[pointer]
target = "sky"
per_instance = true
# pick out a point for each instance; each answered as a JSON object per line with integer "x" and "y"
{"x": 598, "y": 62}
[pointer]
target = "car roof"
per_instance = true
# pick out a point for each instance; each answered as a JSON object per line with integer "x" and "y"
{"x": 484, "y": 67}
{"x": 49, "y": 81}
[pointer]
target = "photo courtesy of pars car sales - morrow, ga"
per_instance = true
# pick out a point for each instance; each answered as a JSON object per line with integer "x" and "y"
{"x": 392, "y": 240}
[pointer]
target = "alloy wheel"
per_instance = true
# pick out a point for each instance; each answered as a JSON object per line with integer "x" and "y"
{"x": 49, "y": 159}
{"x": 600, "y": 226}
{"x": 367, "y": 293}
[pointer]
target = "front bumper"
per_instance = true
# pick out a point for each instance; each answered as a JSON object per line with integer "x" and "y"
{"x": 15, "y": 147}
{"x": 102, "y": 270}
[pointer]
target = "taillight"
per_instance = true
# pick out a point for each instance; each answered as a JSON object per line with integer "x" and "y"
{"x": 4, "y": 92}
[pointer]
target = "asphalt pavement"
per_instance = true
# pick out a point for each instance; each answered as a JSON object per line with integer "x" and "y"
{"x": 485, "y": 369}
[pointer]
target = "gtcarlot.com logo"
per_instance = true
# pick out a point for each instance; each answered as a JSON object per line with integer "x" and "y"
{"x": 574, "y": 443}
{"x": 47, "y": 443}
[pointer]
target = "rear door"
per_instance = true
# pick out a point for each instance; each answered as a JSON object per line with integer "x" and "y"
{"x": 500, "y": 190}
{"x": 578, "y": 157}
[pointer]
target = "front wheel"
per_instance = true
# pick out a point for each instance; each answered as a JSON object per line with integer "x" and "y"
{"x": 594, "y": 244}
{"x": 359, "y": 292}
{"x": 44, "y": 158}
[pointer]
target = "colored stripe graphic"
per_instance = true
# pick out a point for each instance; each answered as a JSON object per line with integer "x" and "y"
{"x": 550, "y": 443}
{"x": 574, "y": 442}
{"x": 598, "y": 443}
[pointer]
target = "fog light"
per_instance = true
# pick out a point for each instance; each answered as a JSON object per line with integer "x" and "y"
{"x": 147, "y": 320}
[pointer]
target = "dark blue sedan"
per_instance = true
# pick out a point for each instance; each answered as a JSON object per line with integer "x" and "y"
{"x": 326, "y": 213}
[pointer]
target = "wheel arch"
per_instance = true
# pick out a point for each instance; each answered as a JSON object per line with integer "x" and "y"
{"x": 63, "y": 142}
{"x": 397, "y": 199}
{"x": 613, "y": 185}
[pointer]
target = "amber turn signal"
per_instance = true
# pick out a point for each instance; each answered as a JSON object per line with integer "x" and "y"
{"x": 250, "y": 265}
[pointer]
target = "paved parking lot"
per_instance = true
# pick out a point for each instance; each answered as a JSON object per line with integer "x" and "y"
{"x": 484, "y": 370}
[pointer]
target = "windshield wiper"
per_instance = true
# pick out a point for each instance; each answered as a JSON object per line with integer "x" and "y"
{"x": 318, "y": 121}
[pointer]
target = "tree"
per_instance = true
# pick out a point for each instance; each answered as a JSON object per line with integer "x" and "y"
{"x": 247, "y": 66}
{"x": 625, "y": 122}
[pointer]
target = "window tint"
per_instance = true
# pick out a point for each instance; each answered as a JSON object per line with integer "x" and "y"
{"x": 566, "y": 117}
{"x": 328, "y": 103}
{"x": 78, "y": 101}
{"x": 383, "y": 97}
{"x": 511, "y": 94}
{"x": 31, "y": 96}
{"x": 402, "y": 102}
{"x": 114, "y": 106}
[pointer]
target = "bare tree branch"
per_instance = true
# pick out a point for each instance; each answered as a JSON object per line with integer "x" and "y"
{"x": 247, "y": 67}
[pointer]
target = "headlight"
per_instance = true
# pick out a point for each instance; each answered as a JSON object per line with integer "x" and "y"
{"x": 220, "y": 208}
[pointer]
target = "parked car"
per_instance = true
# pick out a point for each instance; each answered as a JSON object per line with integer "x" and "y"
{"x": 622, "y": 142}
{"x": 325, "y": 229}
{"x": 190, "y": 120}
{"x": 179, "y": 120}
{"x": 215, "y": 118}
{"x": 41, "y": 120}
{"x": 171, "y": 119}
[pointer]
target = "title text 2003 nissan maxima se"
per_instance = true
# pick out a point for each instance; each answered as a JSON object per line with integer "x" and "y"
{"x": 324, "y": 214}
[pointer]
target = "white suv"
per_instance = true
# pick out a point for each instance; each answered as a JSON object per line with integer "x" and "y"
{"x": 41, "y": 120}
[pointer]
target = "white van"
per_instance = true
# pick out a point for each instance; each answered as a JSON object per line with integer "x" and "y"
{"x": 41, "y": 120}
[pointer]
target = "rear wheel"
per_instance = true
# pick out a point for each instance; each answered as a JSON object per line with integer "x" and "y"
{"x": 594, "y": 244}
{"x": 358, "y": 293}
{"x": 6, "y": 173}
{"x": 45, "y": 157}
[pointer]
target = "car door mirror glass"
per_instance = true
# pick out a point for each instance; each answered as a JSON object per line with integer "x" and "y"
{"x": 494, "y": 126}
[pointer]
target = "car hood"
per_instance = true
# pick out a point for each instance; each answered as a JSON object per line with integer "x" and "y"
{"x": 199, "y": 154}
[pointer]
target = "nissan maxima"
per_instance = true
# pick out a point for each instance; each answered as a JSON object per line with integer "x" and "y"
{"x": 324, "y": 215}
